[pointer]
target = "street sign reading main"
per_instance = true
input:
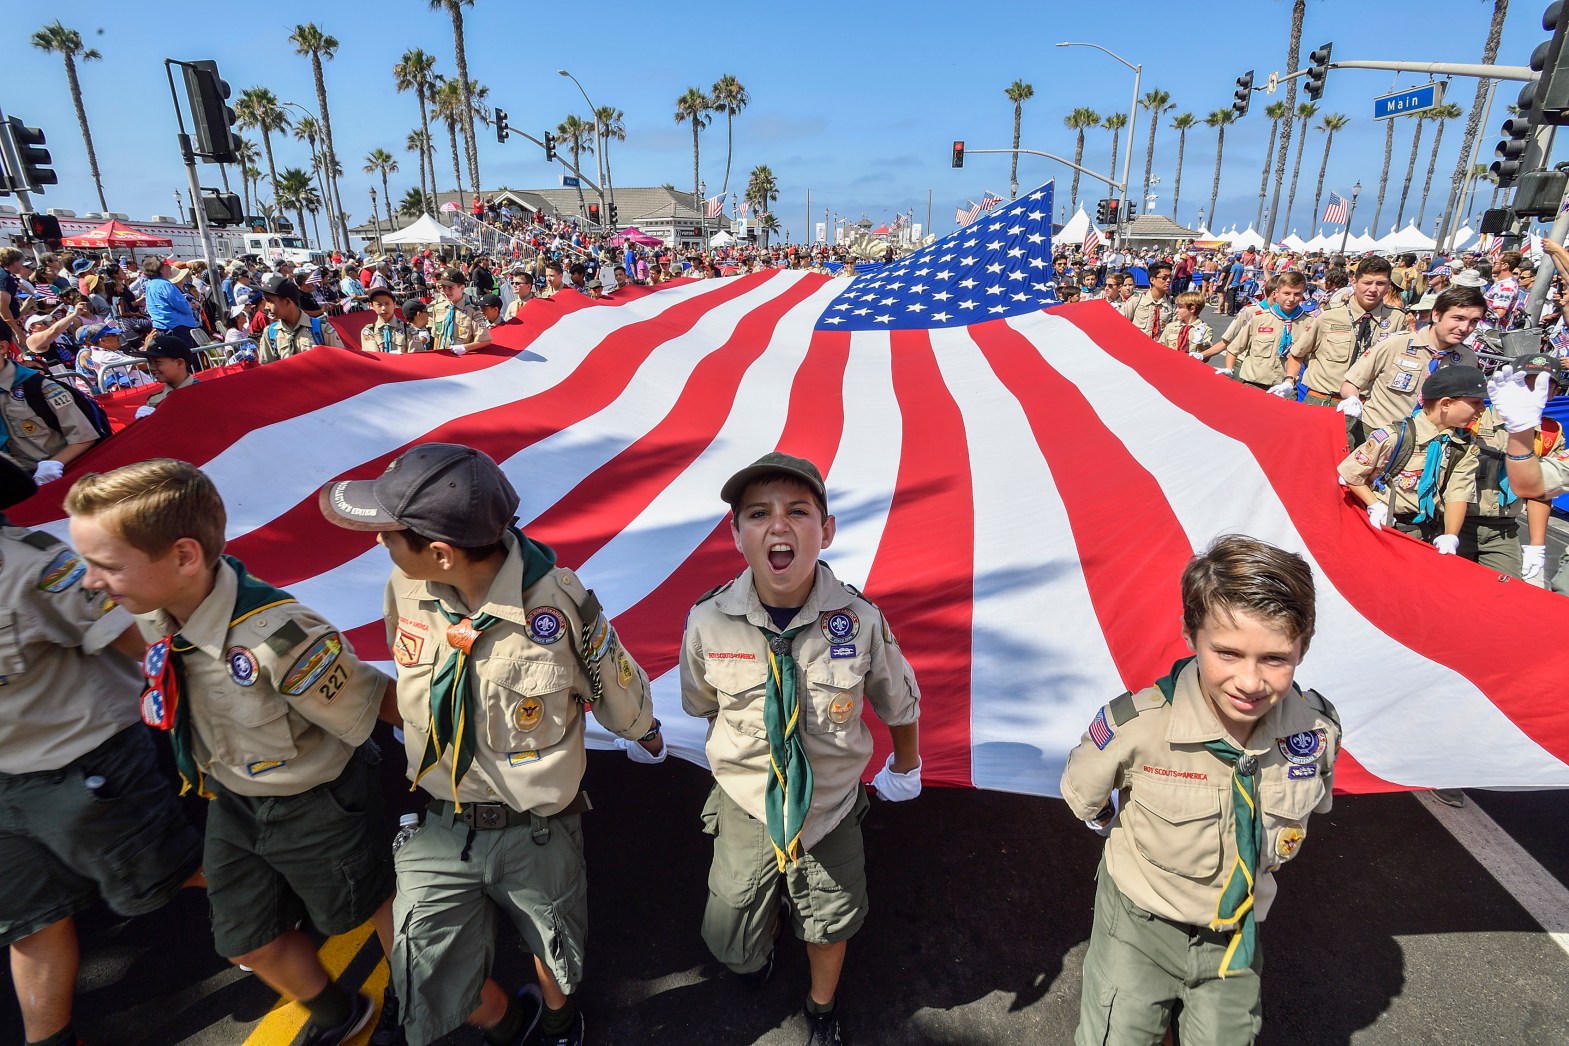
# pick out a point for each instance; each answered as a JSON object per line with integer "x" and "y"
{"x": 1415, "y": 100}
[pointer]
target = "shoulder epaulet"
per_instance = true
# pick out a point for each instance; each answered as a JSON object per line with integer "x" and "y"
{"x": 1319, "y": 703}
{"x": 1122, "y": 708}
{"x": 583, "y": 599}
{"x": 41, "y": 540}
{"x": 711, "y": 593}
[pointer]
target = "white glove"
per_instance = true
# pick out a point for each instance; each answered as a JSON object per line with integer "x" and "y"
{"x": 1351, "y": 407}
{"x": 1518, "y": 405}
{"x": 1447, "y": 544}
{"x": 48, "y": 471}
{"x": 896, "y": 788}
{"x": 638, "y": 754}
{"x": 1285, "y": 390}
{"x": 458, "y": 350}
{"x": 1378, "y": 515}
{"x": 144, "y": 411}
{"x": 1533, "y": 560}
{"x": 1223, "y": 370}
{"x": 1196, "y": 354}
{"x": 1103, "y": 829}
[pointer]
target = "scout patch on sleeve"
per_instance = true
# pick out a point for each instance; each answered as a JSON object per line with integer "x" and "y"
{"x": 61, "y": 572}
{"x": 261, "y": 766}
{"x": 598, "y": 640}
{"x": 98, "y": 601}
{"x": 1379, "y": 435}
{"x": 310, "y": 666}
{"x": 407, "y": 647}
{"x": 288, "y": 636}
{"x": 1303, "y": 747}
{"x": 624, "y": 669}
{"x": 1100, "y": 733}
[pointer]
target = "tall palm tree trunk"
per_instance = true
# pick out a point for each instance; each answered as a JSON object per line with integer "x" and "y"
{"x": 1296, "y": 172}
{"x": 582, "y": 202}
{"x": 1405, "y": 190}
{"x": 1383, "y": 178}
{"x": 1078, "y": 161}
{"x": 1116, "y": 133}
{"x": 1473, "y": 124}
{"x": 1176, "y": 190}
{"x": 697, "y": 193}
{"x": 1293, "y": 52}
{"x": 730, "y": 148}
{"x": 1263, "y": 178}
{"x": 272, "y": 170}
{"x": 468, "y": 96}
{"x": 87, "y": 135}
{"x": 1013, "y": 170}
{"x": 428, "y": 153}
{"x": 1432, "y": 163}
{"x": 335, "y": 223}
{"x": 386, "y": 196}
{"x": 1318, "y": 193}
{"x": 1214, "y": 189}
{"x": 457, "y": 159}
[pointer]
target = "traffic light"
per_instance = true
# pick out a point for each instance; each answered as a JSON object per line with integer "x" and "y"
{"x": 1244, "y": 94}
{"x": 593, "y": 213}
{"x": 1317, "y": 70}
{"x": 34, "y": 159}
{"x": 550, "y": 147}
{"x": 501, "y": 126}
{"x": 43, "y": 228}
{"x": 613, "y": 217}
{"x": 210, "y": 111}
{"x": 1131, "y": 211}
{"x": 222, "y": 209}
{"x": 958, "y": 154}
{"x": 1103, "y": 212}
{"x": 1546, "y": 99}
{"x": 1512, "y": 149}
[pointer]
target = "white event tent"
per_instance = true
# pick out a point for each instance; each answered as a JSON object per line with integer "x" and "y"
{"x": 425, "y": 230}
{"x": 1077, "y": 226}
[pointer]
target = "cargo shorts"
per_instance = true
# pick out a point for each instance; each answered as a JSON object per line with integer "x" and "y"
{"x": 64, "y": 845}
{"x": 272, "y": 861}
{"x": 826, "y": 887}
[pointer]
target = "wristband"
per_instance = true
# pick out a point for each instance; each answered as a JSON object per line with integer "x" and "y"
{"x": 1522, "y": 457}
{"x": 653, "y": 732}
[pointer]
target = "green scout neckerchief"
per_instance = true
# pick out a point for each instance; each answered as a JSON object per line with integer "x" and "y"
{"x": 1234, "y": 911}
{"x": 787, "y": 795}
{"x": 452, "y": 690}
{"x": 163, "y": 701}
{"x": 19, "y": 375}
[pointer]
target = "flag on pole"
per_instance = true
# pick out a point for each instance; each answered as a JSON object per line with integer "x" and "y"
{"x": 966, "y": 215}
{"x": 1091, "y": 240}
{"x": 989, "y": 201}
{"x": 743, "y": 208}
{"x": 934, "y": 402}
{"x": 1495, "y": 249}
{"x": 715, "y": 207}
{"x": 1336, "y": 211}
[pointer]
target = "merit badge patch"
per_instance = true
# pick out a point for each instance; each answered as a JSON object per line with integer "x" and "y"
{"x": 261, "y": 766}
{"x": 528, "y": 714}
{"x": 407, "y": 647}
{"x": 1299, "y": 772}
{"x": 308, "y": 668}
{"x": 1290, "y": 841}
{"x": 842, "y": 651}
{"x": 1100, "y": 732}
{"x": 31, "y": 428}
{"x": 624, "y": 670}
{"x": 839, "y": 626}
{"x": 519, "y": 758}
{"x": 243, "y": 666}
{"x": 63, "y": 571}
{"x": 841, "y": 708}
{"x": 546, "y": 625}
{"x": 1304, "y": 747}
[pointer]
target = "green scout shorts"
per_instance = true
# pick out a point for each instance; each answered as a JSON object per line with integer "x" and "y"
{"x": 1138, "y": 965}
{"x": 274, "y": 860}
{"x": 451, "y": 881}
{"x": 827, "y": 887}
{"x": 1492, "y": 541}
{"x": 64, "y": 845}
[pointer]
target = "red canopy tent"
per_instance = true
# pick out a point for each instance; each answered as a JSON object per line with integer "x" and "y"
{"x": 632, "y": 234}
{"x": 111, "y": 234}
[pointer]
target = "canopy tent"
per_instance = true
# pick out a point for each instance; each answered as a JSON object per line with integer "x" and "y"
{"x": 1408, "y": 239}
{"x": 632, "y": 234}
{"x": 1243, "y": 240}
{"x": 721, "y": 239}
{"x": 111, "y": 234}
{"x": 1294, "y": 242}
{"x": 1319, "y": 242}
{"x": 1463, "y": 239}
{"x": 1361, "y": 244}
{"x": 425, "y": 229}
{"x": 1076, "y": 228}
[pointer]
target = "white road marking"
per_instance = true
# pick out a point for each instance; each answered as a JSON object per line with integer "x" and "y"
{"x": 1543, "y": 897}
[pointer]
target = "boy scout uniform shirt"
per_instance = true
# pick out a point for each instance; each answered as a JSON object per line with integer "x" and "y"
{"x": 1239, "y": 322}
{"x": 1390, "y": 376}
{"x": 1258, "y": 355}
{"x": 1198, "y": 335}
{"x": 280, "y": 341}
{"x": 1173, "y": 845}
{"x": 396, "y": 336}
{"x": 467, "y": 323}
{"x": 1148, "y": 313}
{"x": 1329, "y": 346}
{"x": 846, "y": 659}
{"x": 1555, "y": 471}
{"x": 63, "y": 694}
{"x": 163, "y": 393}
{"x": 1491, "y": 441}
{"x": 31, "y": 439}
{"x": 1369, "y": 461}
{"x": 529, "y": 685}
{"x": 279, "y": 702}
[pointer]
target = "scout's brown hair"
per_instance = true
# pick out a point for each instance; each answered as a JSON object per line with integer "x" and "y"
{"x": 1239, "y": 573}
{"x": 1290, "y": 278}
{"x": 152, "y": 504}
{"x": 1459, "y": 298}
{"x": 1374, "y": 266}
{"x": 1192, "y": 299}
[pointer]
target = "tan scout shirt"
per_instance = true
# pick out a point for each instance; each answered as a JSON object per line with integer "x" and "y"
{"x": 31, "y": 439}
{"x": 1148, "y": 313}
{"x": 1390, "y": 377}
{"x": 1555, "y": 471}
{"x": 1239, "y": 323}
{"x": 1491, "y": 441}
{"x": 1328, "y": 346}
{"x": 467, "y": 323}
{"x": 724, "y": 667}
{"x": 1198, "y": 335}
{"x": 61, "y": 694}
{"x": 279, "y": 341}
{"x": 529, "y": 683}
{"x": 162, "y": 394}
{"x": 403, "y": 338}
{"x": 1174, "y": 842}
{"x": 278, "y": 702}
{"x": 1372, "y": 459}
{"x": 1257, "y": 347}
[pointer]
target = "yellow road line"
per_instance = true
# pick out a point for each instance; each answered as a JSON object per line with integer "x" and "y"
{"x": 283, "y": 1022}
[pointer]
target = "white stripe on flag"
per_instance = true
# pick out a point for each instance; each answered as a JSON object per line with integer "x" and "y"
{"x": 865, "y": 469}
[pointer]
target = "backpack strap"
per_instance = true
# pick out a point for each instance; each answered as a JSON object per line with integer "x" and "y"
{"x": 38, "y": 403}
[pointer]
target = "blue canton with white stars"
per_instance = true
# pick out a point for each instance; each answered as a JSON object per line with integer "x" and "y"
{"x": 996, "y": 267}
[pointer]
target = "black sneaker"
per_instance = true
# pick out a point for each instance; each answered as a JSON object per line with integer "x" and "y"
{"x": 822, "y": 1029}
{"x": 573, "y": 1036}
{"x": 389, "y": 1030}
{"x": 533, "y": 1009}
{"x": 359, "y": 1016}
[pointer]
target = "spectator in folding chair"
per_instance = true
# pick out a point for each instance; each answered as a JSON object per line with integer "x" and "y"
{"x": 104, "y": 362}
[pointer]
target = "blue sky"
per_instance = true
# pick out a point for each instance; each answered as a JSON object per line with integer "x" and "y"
{"x": 856, "y": 102}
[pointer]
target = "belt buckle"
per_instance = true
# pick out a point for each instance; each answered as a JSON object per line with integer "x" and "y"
{"x": 489, "y": 817}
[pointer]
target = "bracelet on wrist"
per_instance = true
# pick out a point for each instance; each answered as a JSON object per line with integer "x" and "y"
{"x": 1522, "y": 457}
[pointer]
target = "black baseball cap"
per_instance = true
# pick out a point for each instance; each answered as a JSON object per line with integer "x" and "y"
{"x": 453, "y": 275}
{"x": 168, "y": 347}
{"x": 490, "y": 301}
{"x": 379, "y": 290}
{"x": 441, "y": 491}
{"x": 1541, "y": 363}
{"x": 1458, "y": 382}
{"x": 413, "y": 307}
{"x": 772, "y": 465}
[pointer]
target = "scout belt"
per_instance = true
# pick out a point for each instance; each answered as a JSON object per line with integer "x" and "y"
{"x": 486, "y": 817}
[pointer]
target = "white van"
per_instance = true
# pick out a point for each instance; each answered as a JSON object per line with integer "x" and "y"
{"x": 273, "y": 247}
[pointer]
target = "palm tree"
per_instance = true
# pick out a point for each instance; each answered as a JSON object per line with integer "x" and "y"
{"x": 1473, "y": 124}
{"x": 413, "y": 204}
{"x": 577, "y": 134}
{"x": 418, "y": 141}
{"x": 1182, "y": 123}
{"x": 728, "y": 97}
{"x": 311, "y": 42}
{"x": 696, "y": 107}
{"x": 465, "y": 115}
{"x": 1276, "y": 113}
{"x": 1420, "y": 119}
{"x": 1383, "y": 178}
{"x": 1218, "y": 120}
{"x": 1293, "y": 51}
{"x": 1440, "y": 115}
{"x": 1329, "y": 125}
{"x": 246, "y": 153}
{"x": 610, "y": 123}
{"x": 1078, "y": 121}
{"x": 447, "y": 106}
{"x": 258, "y": 107}
{"x": 1157, "y": 103}
{"x": 1305, "y": 112}
{"x": 67, "y": 43}
{"x": 1115, "y": 123}
{"x": 380, "y": 161}
{"x": 308, "y": 130}
{"x": 762, "y": 189}
{"x": 415, "y": 72}
{"x": 294, "y": 190}
{"x": 1018, "y": 93}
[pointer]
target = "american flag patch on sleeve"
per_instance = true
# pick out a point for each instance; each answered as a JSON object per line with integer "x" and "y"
{"x": 1100, "y": 733}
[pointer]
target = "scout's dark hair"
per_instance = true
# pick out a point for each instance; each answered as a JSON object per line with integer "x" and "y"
{"x": 152, "y": 504}
{"x": 474, "y": 553}
{"x": 1459, "y": 298}
{"x": 1239, "y": 573}
{"x": 1373, "y": 265}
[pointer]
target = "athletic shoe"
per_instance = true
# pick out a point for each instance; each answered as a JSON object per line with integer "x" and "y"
{"x": 359, "y": 1016}
{"x": 822, "y": 1029}
{"x": 389, "y": 1030}
{"x": 572, "y": 1037}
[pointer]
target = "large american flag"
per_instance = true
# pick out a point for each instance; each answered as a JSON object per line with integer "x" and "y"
{"x": 1336, "y": 211}
{"x": 715, "y": 207}
{"x": 1018, "y": 487}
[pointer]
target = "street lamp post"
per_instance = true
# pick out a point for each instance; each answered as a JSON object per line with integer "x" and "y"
{"x": 376, "y": 221}
{"x": 599, "y": 140}
{"x": 1133, "y": 119}
{"x": 1356, "y": 190}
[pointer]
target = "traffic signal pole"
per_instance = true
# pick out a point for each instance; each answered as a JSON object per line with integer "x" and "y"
{"x": 13, "y": 162}
{"x": 198, "y": 210}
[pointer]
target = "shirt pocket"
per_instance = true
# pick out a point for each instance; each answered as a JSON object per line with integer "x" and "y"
{"x": 834, "y": 696}
{"x": 742, "y": 685}
{"x": 12, "y": 662}
{"x": 250, "y": 725}
{"x": 1287, "y": 806}
{"x": 528, "y": 702}
{"x": 1176, "y": 827}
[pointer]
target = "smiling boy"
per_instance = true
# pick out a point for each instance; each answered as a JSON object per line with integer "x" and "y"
{"x": 1206, "y": 781}
{"x": 782, "y": 662}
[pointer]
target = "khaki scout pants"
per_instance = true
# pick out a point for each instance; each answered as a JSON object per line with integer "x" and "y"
{"x": 1493, "y": 542}
{"x": 1139, "y": 965}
